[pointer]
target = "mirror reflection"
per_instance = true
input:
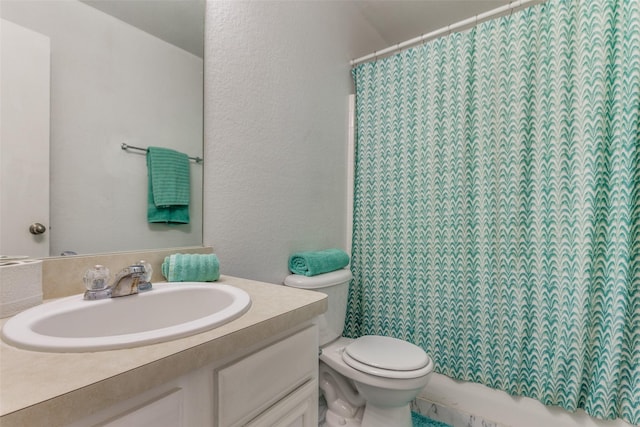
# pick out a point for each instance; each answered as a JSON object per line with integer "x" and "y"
{"x": 79, "y": 79}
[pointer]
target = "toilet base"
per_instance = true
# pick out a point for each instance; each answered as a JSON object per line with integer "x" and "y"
{"x": 384, "y": 417}
{"x": 333, "y": 419}
{"x": 373, "y": 417}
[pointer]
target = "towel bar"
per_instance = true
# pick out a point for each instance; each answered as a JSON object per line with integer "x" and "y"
{"x": 131, "y": 147}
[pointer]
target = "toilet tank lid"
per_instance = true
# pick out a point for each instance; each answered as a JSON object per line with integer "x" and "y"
{"x": 319, "y": 281}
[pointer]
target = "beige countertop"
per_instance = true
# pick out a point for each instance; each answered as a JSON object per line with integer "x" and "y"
{"x": 38, "y": 388}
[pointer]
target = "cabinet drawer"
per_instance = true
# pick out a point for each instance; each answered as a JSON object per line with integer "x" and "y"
{"x": 164, "y": 411}
{"x": 251, "y": 385}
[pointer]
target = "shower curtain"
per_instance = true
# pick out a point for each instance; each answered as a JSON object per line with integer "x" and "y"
{"x": 497, "y": 204}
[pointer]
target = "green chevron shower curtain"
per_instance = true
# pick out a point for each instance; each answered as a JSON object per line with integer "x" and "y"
{"x": 497, "y": 204}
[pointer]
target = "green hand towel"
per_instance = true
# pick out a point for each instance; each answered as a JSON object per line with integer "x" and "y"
{"x": 313, "y": 263}
{"x": 169, "y": 186}
{"x": 191, "y": 268}
{"x": 168, "y": 214}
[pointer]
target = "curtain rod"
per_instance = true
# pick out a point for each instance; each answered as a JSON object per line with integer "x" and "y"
{"x": 125, "y": 147}
{"x": 458, "y": 26}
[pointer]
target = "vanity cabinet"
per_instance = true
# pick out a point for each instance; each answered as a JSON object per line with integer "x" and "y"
{"x": 274, "y": 383}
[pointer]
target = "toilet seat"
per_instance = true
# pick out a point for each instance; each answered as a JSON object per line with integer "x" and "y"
{"x": 387, "y": 357}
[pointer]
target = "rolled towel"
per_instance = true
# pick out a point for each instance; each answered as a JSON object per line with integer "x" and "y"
{"x": 191, "y": 268}
{"x": 313, "y": 263}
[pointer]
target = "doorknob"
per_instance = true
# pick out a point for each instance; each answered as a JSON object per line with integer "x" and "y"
{"x": 37, "y": 228}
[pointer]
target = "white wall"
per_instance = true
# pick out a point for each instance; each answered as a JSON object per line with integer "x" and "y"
{"x": 112, "y": 83}
{"x": 277, "y": 80}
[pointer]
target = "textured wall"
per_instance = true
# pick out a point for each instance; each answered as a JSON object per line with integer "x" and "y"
{"x": 277, "y": 80}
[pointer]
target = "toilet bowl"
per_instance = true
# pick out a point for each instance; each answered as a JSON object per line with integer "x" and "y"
{"x": 385, "y": 393}
{"x": 368, "y": 381}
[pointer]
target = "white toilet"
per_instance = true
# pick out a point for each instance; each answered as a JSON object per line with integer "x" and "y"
{"x": 369, "y": 381}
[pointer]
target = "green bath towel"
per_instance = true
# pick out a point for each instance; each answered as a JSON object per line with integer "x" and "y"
{"x": 313, "y": 263}
{"x": 191, "y": 268}
{"x": 169, "y": 186}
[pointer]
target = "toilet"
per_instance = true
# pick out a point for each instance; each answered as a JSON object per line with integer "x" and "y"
{"x": 369, "y": 381}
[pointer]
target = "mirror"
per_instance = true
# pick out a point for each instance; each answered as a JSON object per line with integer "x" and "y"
{"x": 114, "y": 78}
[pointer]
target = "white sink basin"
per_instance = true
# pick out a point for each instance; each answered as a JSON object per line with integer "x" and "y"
{"x": 169, "y": 311}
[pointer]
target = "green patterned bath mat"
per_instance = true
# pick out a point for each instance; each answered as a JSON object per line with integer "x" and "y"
{"x": 422, "y": 421}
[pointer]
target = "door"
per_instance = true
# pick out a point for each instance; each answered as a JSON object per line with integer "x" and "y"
{"x": 24, "y": 141}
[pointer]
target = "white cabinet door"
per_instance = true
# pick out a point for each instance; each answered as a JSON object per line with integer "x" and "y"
{"x": 300, "y": 409}
{"x": 248, "y": 388}
{"x": 24, "y": 140}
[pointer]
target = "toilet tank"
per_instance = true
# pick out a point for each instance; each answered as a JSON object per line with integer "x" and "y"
{"x": 336, "y": 286}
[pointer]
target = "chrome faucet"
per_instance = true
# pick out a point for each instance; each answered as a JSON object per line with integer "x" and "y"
{"x": 127, "y": 282}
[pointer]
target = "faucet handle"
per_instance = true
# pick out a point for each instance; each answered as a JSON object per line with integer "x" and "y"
{"x": 96, "y": 278}
{"x": 145, "y": 280}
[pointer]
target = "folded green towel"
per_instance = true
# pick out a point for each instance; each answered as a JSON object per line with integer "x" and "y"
{"x": 168, "y": 214}
{"x": 317, "y": 262}
{"x": 169, "y": 186}
{"x": 191, "y": 268}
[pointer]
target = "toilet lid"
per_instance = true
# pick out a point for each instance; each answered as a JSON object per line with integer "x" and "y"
{"x": 387, "y": 357}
